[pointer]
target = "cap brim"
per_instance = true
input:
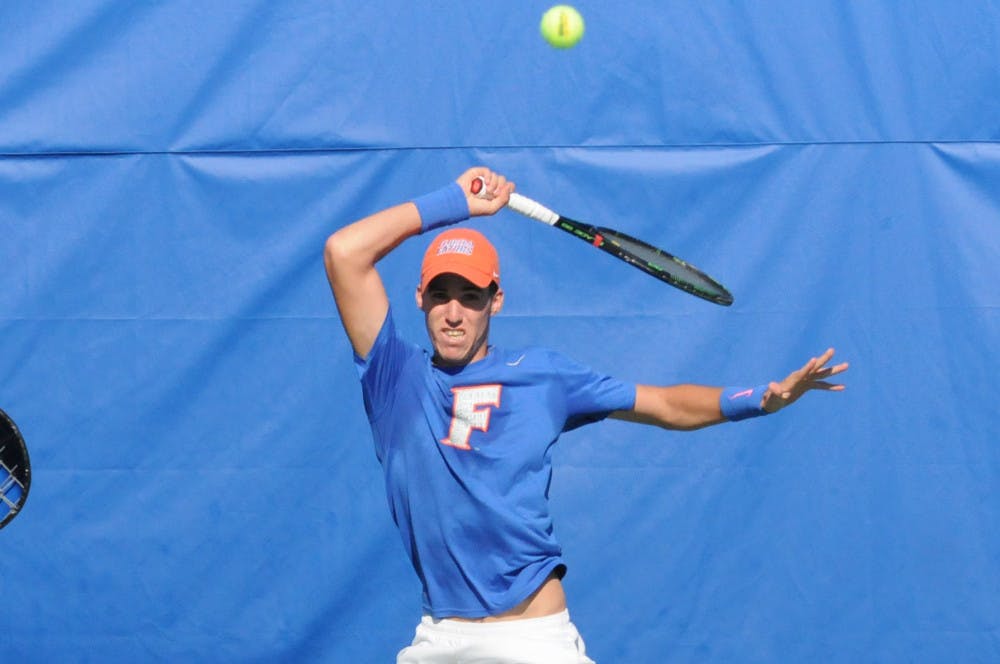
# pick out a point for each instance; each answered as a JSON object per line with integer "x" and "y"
{"x": 479, "y": 278}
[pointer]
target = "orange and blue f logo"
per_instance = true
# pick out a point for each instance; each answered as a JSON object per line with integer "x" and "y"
{"x": 471, "y": 408}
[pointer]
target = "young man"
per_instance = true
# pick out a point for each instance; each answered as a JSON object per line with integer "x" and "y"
{"x": 464, "y": 434}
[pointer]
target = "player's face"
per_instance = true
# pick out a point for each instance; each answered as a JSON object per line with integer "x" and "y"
{"x": 457, "y": 314}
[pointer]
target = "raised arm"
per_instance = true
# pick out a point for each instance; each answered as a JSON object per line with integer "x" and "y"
{"x": 688, "y": 407}
{"x": 351, "y": 253}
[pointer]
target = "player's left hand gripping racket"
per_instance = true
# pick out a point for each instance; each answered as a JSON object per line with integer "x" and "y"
{"x": 654, "y": 262}
{"x": 15, "y": 470}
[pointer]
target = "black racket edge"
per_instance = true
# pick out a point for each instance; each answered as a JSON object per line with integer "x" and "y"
{"x": 718, "y": 294}
{"x": 595, "y": 236}
{"x": 10, "y": 437}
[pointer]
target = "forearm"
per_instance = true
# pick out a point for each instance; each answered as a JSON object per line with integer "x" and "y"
{"x": 676, "y": 407}
{"x": 689, "y": 407}
{"x": 356, "y": 248}
{"x": 350, "y": 255}
{"x": 359, "y": 246}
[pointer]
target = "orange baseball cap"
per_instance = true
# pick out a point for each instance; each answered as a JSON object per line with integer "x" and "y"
{"x": 464, "y": 252}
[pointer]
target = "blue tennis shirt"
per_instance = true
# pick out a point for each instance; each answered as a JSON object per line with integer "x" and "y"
{"x": 466, "y": 454}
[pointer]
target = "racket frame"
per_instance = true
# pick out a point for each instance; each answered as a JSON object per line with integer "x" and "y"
{"x": 603, "y": 239}
{"x": 16, "y": 470}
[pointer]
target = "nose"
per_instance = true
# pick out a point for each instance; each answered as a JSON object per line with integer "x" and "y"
{"x": 453, "y": 312}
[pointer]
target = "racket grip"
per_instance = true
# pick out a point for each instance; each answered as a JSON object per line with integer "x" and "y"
{"x": 518, "y": 203}
{"x": 533, "y": 209}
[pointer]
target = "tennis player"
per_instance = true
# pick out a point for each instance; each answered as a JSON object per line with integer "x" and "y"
{"x": 464, "y": 432}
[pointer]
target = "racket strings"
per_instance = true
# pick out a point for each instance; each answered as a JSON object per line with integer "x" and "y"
{"x": 11, "y": 488}
{"x": 657, "y": 260}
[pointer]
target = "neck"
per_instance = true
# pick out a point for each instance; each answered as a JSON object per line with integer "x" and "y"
{"x": 479, "y": 354}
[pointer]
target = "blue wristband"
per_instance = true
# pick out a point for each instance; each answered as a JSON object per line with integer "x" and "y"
{"x": 443, "y": 207}
{"x": 739, "y": 403}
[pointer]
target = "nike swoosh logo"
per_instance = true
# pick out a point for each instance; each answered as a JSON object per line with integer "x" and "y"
{"x": 515, "y": 362}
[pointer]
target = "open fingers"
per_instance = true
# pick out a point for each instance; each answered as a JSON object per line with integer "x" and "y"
{"x": 824, "y": 385}
{"x": 810, "y": 376}
{"x": 830, "y": 371}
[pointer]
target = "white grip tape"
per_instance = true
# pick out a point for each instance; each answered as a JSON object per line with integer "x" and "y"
{"x": 533, "y": 209}
{"x": 524, "y": 205}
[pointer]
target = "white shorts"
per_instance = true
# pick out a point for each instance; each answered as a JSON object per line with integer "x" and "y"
{"x": 547, "y": 640}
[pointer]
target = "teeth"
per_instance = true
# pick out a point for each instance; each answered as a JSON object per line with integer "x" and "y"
{"x": 454, "y": 333}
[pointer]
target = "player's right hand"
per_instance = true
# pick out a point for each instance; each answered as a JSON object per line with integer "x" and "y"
{"x": 496, "y": 187}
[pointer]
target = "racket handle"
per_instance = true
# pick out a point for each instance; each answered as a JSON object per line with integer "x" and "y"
{"x": 518, "y": 203}
{"x": 532, "y": 209}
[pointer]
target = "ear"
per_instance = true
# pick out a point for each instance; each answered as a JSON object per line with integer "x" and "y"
{"x": 497, "y": 303}
{"x": 419, "y": 296}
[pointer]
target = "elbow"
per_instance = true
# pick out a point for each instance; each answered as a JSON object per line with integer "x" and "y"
{"x": 336, "y": 252}
{"x": 677, "y": 424}
{"x": 693, "y": 426}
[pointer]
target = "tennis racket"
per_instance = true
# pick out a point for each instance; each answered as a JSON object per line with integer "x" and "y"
{"x": 15, "y": 470}
{"x": 642, "y": 255}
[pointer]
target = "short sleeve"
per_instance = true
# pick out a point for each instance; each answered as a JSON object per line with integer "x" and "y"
{"x": 590, "y": 395}
{"x": 380, "y": 371}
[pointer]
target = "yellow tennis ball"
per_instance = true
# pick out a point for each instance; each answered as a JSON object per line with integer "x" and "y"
{"x": 562, "y": 26}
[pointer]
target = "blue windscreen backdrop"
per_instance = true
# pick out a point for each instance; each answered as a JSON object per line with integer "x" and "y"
{"x": 205, "y": 487}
